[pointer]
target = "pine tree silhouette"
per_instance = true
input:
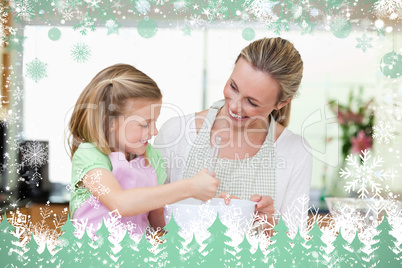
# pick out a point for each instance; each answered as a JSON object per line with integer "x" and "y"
{"x": 218, "y": 252}
{"x": 9, "y": 252}
{"x": 87, "y": 252}
{"x": 280, "y": 249}
{"x": 31, "y": 256}
{"x": 244, "y": 252}
{"x": 144, "y": 257}
{"x": 170, "y": 254}
{"x": 383, "y": 254}
{"x": 259, "y": 258}
{"x": 125, "y": 255}
{"x": 299, "y": 251}
{"x": 45, "y": 258}
{"x": 68, "y": 243}
{"x": 341, "y": 255}
{"x": 316, "y": 247}
{"x": 360, "y": 258}
{"x": 400, "y": 254}
{"x": 59, "y": 259}
{"x": 271, "y": 255}
{"x": 104, "y": 247}
{"x": 193, "y": 257}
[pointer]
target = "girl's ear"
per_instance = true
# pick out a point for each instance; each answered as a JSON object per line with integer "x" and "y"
{"x": 281, "y": 104}
{"x": 112, "y": 125}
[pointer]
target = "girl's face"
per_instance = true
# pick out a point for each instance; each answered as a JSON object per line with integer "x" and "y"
{"x": 250, "y": 95}
{"x": 131, "y": 131}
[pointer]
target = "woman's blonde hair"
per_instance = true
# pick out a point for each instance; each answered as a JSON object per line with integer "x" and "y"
{"x": 103, "y": 99}
{"x": 278, "y": 58}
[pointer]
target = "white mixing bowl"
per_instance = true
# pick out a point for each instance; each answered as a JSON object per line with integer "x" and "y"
{"x": 193, "y": 214}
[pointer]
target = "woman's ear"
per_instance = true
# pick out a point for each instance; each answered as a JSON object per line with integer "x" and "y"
{"x": 282, "y": 104}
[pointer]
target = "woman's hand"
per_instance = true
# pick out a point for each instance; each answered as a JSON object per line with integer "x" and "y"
{"x": 156, "y": 219}
{"x": 203, "y": 185}
{"x": 227, "y": 197}
{"x": 265, "y": 210}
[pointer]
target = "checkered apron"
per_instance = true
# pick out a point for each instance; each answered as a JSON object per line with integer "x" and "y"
{"x": 238, "y": 177}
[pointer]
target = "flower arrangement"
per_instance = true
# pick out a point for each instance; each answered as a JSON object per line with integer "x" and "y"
{"x": 356, "y": 120}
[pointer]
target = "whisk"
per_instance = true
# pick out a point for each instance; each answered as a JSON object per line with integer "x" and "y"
{"x": 215, "y": 155}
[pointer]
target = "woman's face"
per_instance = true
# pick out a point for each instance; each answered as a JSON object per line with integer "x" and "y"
{"x": 250, "y": 95}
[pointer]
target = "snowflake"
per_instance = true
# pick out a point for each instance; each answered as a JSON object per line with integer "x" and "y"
{"x": 364, "y": 42}
{"x": 262, "y": 9}
{"x": 163, "y": 255}
{"x": 364, "y": 175}
{"x": 18, "y": 94}
{"x": 34, "y": 154}
{"x": 366, "y": 23}
{"x": 196, "y": 21}
{"x": 215, "y": 10}
{"x": 9, "y": 117}
{"x": 60, "y": 5}
{"x": 93, "y": 183}
{"x": 23, "y": 9}
{"x": 143, "y": 6}
{"x": 388, "y": 8}
{"x": 94, "y": 3}
{"x": 117, "y": 5}
{"x": 36, "y": 70}
{"x": 80, "y": 52}
{"x": 110, "y": 23}
{"x": 383, "y": 132}
{"x": 67, "y": 14}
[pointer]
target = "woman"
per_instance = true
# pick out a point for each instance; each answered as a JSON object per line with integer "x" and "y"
{"x": 260, "y": 158}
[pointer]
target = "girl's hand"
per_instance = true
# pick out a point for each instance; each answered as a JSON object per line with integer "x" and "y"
{"x": 226, "y": 196}
{"x": 203, "y": 185}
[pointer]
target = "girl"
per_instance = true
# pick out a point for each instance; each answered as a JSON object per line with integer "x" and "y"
{"x": 115, "y": 171}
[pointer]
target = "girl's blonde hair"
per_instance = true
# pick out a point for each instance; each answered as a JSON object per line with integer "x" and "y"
{"x": 102, "y": 100}
{"x": 278, "y": 58}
